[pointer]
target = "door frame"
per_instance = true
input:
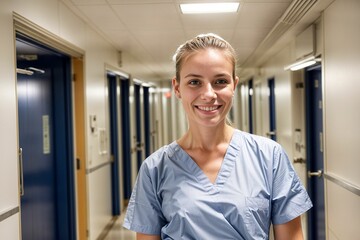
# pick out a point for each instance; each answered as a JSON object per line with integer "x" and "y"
{"x": 34, "y": 32}
{"x": 64, "y": 199}
{"x": 314, "y": 156}
{"x": 80, "y": 147}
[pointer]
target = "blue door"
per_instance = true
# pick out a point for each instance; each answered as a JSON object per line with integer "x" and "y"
{"x": 147, "y": 130}
{"x": 138, "y": 117}
{"x": 114, "y": 143}
{"x": 272, "y": 111}
{"x": 250, "y": 98}
{"x": 126, "y": 137}
{"x": 38, "y": 210}
{"x": 45, "y": 137}
{"x": 314, "y": 152}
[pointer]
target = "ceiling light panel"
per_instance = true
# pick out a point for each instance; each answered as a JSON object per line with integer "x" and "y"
{"x": 201, "y": 8}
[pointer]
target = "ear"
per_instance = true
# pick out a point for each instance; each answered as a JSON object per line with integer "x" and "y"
{"x": 176, "y": 86}
{"x": 236, "y": 81}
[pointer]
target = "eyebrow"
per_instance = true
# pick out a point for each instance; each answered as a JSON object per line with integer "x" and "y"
{"x": 192, "y": 75}
{"x": 199, "y": 76}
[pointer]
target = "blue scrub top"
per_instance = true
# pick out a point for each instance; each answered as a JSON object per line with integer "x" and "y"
{"x": 256, "y": 186}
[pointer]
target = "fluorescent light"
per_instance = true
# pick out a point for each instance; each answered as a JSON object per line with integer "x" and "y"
{"x": 193, "y": 8}
{"x": 303, "y": 63}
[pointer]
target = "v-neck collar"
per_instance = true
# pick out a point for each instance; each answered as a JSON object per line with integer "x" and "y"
{"x": 225, "y": 169}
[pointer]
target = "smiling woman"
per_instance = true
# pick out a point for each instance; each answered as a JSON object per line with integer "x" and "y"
{"x": 215, "y": 182}
{"x": 207, "y": 87}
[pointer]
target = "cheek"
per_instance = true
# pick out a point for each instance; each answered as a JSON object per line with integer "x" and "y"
{"x": 227, "y": 93}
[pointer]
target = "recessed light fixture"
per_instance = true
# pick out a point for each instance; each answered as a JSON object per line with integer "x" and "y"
{"x": 303, "y": 63}
{"x": 198, "y": 8}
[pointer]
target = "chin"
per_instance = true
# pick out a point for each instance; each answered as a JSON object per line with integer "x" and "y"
{"x": 211, "y": 122}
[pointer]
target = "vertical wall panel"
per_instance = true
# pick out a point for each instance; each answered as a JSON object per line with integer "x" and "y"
{"x": 342, "y": 116}
{"x": 9, "y": 228}
{"x": 341, "y": 88}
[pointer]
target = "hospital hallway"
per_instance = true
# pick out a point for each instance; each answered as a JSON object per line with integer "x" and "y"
{"x": 117, "y": 232}
{"x": 89, "y": 90}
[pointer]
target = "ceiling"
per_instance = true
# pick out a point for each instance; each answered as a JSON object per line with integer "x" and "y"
{"x": 151, "y": 30}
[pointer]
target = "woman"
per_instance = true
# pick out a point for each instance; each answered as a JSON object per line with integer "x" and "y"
{"x": 215, "y": 182}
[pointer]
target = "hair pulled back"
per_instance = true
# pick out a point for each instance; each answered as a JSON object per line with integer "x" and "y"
{"x": 202, "y": 42}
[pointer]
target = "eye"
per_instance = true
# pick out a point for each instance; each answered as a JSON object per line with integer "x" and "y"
{"x": 194, "y": 82}
{"x": 221, "y": 81}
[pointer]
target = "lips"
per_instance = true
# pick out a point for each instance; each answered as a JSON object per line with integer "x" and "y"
{"x": 209, "y": 108}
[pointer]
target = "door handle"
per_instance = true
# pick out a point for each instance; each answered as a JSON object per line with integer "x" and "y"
{"x": 271, "y": 133}
{"x": 299, "y": 160}
{"x": 139, "y": 146}
{"x": 21, "y": 170}
{"x": 318, "y": 173}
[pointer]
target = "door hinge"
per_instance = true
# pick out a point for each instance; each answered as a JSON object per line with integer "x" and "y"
{"x": 78, "y": 164}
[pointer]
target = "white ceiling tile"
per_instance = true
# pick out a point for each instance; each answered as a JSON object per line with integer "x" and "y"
{"x": 260, "y": 15}
{"x": 122, "y": 40}
{"x": 269, "y": 1}
{"x": 161, "y": 44}
{"x": 88, "y": 2}
{"x": 102, "y": 16}
{"x": 148, "y": 17}
{"x": 192, "y": 21}
{"x": 249, "y": 37}
{"x": 138, "y": 1}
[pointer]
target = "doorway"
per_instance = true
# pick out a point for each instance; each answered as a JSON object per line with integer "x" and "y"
{"x": 126, "y": 139}
{"x": 139, "y": 143}
{"x": 314, "y": 152}
{"x": 45, "y": 139}
{"x": 272, "y": 110}
{"x": 250, "y": 107}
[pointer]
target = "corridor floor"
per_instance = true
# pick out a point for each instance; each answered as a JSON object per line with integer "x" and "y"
{"x": 117, "y": 232}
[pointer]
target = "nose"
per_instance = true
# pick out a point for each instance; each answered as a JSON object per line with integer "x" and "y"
{"x": 208, "y": 92}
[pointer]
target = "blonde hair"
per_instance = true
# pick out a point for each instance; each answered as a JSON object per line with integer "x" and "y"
{"x": 201, "y": 42}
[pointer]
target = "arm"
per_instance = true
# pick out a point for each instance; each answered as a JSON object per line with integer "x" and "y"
{"x": 289, "y": 231}
{"x": 140, "y": 236}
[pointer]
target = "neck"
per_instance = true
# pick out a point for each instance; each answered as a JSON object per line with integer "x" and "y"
{"x": 206, "y": 138}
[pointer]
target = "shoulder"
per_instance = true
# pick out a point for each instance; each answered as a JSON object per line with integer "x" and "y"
{"x": 259, "y": 149}
{"x": 256, "y": 141}
{"x": 159, "y": 158}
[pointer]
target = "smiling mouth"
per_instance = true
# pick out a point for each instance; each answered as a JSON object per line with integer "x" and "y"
{"x": 208, "y": 108}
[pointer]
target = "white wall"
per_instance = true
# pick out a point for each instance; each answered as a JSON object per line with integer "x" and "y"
{"x": 342, "y": 116}
{"x": 338, "y": 40}
{"x": 275, "y": 68}
{"x": 55, "y": 17}
{"x": 9, "y": 227}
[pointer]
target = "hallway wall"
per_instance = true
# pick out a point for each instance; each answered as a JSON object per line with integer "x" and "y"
{"x": 342, "y": 117}
{"x": 338, "y": 42}
{"x": 55, "y": 18}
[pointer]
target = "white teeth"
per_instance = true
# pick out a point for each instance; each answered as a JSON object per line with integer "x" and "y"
{"x": 208, "y": 108}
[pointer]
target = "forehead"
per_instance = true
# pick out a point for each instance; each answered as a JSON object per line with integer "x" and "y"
{"x": 207, "y": 58}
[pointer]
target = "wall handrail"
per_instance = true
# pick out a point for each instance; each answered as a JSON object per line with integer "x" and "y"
{"x": 8, "y": 213}
{"x": 341, "y": 182}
